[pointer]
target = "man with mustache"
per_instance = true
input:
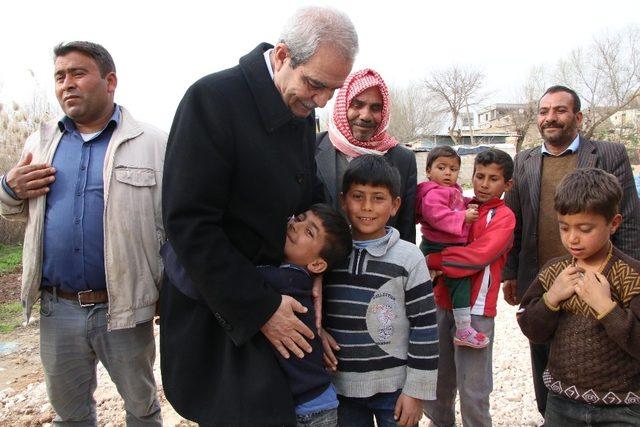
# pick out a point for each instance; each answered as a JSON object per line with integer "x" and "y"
{"x": 537, "y": 172}
{"x": 88, "y": 186}
{"x": 359, "y": 126}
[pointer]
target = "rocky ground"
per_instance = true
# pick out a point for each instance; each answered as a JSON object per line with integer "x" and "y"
{"x": 23, "y": 400}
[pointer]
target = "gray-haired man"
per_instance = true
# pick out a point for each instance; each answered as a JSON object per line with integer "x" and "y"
{"x": 240, "y": 161}
{"x": 88, "y": 186}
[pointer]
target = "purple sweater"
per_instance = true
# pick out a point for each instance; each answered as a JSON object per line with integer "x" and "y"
{"x": 441, "y": 211}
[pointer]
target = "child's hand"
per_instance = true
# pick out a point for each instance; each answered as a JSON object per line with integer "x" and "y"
{"x": 471, "y": 214}
{"x": 594, "y": 289}
{"x": 329, "y": 345}
{"x": 408, "y": 411}
{"x": 564, "y": 285}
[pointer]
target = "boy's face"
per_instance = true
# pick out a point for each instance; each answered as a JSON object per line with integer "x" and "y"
{"x": 488, "y": 182}
{"x": 586, "y": 235}
{"x": 369, "y": 208}
{"x": 305, "y": 239}
{"x": 444, "y": 171}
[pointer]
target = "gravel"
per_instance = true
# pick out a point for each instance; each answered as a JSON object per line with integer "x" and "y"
{"x": 512, "y": 401}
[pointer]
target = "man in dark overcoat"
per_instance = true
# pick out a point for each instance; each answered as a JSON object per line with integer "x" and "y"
{"x": 537, "y": 172}
{"x": 240, "y": 161}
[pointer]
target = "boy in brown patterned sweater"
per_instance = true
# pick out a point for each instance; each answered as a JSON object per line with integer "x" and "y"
{"x": 586, "y": 305}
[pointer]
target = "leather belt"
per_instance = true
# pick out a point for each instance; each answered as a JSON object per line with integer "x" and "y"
{"x": 84, "y": 298}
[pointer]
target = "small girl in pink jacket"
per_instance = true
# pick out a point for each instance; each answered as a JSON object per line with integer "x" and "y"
{"x": 445, "y": 217}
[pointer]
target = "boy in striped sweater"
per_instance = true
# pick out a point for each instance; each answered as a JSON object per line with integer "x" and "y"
{"x": 379, "y": 312}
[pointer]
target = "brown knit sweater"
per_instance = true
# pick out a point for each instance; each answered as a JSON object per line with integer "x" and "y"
{"x": 590, "y": 360}
{"x": 553, "y": 170}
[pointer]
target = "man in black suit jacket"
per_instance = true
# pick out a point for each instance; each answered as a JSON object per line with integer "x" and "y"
{"x": 359, "y": 126}
{"x": 537, "y": 172}
{"x": 239, "y": 162}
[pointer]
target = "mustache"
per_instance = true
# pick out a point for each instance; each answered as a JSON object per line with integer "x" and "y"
{"x": 364, "y": 124}
{"x": 553, "y": 124}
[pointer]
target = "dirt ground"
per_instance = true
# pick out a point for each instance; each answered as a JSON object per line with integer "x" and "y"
{"x": 23, "y": 399}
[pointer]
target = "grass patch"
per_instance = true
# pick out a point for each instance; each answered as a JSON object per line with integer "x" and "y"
{"x": 10, "y": 316}
{"x": 10, "y": 258}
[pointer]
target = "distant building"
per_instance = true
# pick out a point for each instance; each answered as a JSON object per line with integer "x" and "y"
{"x": 499, "y": 115}
{"x": 626, "y": 119}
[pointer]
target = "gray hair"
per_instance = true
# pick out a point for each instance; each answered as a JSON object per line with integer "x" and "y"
{"x": 311, "y": 27}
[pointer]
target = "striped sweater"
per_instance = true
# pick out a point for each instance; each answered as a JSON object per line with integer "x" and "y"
{"x": 379, "y": 307}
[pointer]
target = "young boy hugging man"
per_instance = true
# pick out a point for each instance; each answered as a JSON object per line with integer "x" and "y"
{"x": 586, "y": 305}
{"x": 467, "y": 370}
{"x": 379, "y": 308}
{"x": 315, "y": 240}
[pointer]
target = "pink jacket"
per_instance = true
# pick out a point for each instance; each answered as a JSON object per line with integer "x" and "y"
{"x": 441, "y": 211}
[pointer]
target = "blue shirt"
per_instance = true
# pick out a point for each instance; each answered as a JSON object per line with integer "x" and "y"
{"x": 73, "y": 254}
{"x": 571, "y": 148}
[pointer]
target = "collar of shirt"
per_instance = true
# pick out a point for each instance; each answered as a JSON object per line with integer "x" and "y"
{"x": 571, "y": 148}
{"x": 295, "y": 267}
{"x": 267, "y": 53}
{"x": 66, "y": 124}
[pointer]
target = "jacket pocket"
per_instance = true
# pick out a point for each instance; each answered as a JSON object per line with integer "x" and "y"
{"x": 138, "y": 177}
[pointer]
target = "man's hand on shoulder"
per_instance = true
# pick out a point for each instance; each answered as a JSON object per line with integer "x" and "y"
{"x": 28, "y": 180}
{"x": 286, "y": 331}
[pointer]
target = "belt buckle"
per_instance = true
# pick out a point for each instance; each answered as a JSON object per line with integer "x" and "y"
{"x": 80, "y": 301}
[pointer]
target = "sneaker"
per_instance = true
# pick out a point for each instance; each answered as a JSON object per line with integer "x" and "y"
{"x": 469, "y": 337}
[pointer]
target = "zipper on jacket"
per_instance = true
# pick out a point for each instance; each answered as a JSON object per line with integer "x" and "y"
{"x": 357, "y": 258}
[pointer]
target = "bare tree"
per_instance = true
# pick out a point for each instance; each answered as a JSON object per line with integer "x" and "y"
{"x": 529, "y": 95}
{"x": 456, "y": 88}
{"x": 413, "y": 113}
{"x": 606, "y": 75}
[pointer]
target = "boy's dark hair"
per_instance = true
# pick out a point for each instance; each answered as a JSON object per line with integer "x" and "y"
{"x": 499, "y": 157}
{"x": 370, "y": 169}
{"x": 560, "y": 88}
{"x": 94, "y": 50}
{"x": 441, "y": 151}
{"x": 338, "y": 234}
{"x": 589, "y": 190}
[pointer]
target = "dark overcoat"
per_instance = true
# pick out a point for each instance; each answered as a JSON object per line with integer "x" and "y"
{"x": 238, "y": 165}
{"x": 400, "y": 157}
{"x": 524, "y": 201}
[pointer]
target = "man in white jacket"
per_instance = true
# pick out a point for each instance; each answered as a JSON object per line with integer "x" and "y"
{"x": 88, "y": 186}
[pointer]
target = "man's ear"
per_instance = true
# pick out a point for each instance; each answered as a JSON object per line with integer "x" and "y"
{"x": 280, "y": 54}
{"x": 317, "y": 266}
{"x": 112, "y": 82}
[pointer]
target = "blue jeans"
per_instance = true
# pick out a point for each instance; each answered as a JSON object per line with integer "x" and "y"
{"x": 326, "y": 418}
{"x": 359, "y": 411}
{"x": 563, "y": 412}
{"x": 72, "y": 340}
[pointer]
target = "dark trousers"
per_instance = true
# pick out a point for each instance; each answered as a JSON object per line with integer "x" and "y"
{"x": 539, "y": 359}
{"x": 562, "y": 412}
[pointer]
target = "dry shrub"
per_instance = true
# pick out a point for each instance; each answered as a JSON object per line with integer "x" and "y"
{"x": 16, "y": 124}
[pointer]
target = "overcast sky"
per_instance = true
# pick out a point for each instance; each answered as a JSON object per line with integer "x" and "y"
{"x": 160, "y": 48}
